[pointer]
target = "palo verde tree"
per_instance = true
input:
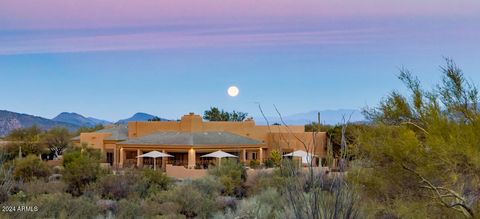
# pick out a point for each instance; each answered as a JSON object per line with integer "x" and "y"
{"x": 421, "y": 158}
{"x": 25, "y": 141}
{"x": 56, "y": 139}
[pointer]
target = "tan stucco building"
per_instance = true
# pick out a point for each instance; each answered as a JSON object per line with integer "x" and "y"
{"x": 191, "y": 137}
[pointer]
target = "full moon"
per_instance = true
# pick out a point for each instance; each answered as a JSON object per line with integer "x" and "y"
{"x": 233, "y": 91}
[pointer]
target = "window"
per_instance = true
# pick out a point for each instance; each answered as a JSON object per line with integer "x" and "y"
{"x": 286, "y": 152}
{"x": 254, "y": 155}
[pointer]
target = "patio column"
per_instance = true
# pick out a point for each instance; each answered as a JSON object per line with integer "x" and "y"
{"x": 191, "y": 158}
{"x": 115, "y": 157}
{"x": 122, "y": 157}
{"x": 260, "y": 155}
{"x": 244, "y": 156}
{"x": 164, "y": 161}
{"x": 139, "y": 159}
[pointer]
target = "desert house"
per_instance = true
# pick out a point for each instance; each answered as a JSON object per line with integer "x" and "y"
{"x": 191, "y": 137}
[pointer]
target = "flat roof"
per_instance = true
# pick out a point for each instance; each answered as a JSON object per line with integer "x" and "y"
{"x": 119, "y": 133}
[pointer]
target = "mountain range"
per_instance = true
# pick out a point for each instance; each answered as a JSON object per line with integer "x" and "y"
{"x": 11, "y": 120}
{"x": 329, "y": 117}
{"x": 72, "y": 121}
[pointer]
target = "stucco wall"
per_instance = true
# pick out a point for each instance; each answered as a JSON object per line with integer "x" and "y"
{"x": 299, "y": 141}
{"x": 194, "y": 123}
{"x": 94, "y": 140}
{"x": 181, "y": 172}
{"x": 275, "y": 137}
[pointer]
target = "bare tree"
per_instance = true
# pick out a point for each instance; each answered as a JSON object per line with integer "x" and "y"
{"x": 316, "y": 194}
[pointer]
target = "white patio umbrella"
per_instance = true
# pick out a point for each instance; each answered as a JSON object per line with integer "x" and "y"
{"x": 219, "y": 154}
{"x": 155, "y": 155}
{"x": 306, "y": 157}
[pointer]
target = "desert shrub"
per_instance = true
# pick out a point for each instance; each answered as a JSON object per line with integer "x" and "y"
{"x": 129, "y": 209}
{"x": 6, "y": 182}
{"x": 152, "y": 182}
{"x": 81, "y": 169}
{"x": 232, "y": 175}
{"x": 132, "y": 184}
{"x": 269, "y": 163}
{"x": 254, "y": 164}
{"x": 58, "y": 205}
{"x": 29, "y": 168}
{"x": 268, "y": 204}
{"x": 114, "y": 186}
{"x": 39, "y": 187}
{"x": 191, "y": 201}
{"x": 3, "y": 195}
{"x": 168, "y": 208}
{"x": 264, "y": 180}
{"x": 208, "y": 185}
{"x": 141, "y": 208}
{"x": 276, "y": 158}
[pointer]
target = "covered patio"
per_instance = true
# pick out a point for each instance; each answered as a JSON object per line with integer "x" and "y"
{"x": 187, "y": 149}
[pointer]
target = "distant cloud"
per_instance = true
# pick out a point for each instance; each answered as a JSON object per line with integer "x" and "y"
{"x": 59, "y": 26}
{"x": 153, "y": 40}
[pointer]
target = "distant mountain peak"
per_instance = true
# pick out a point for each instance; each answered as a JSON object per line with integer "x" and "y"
{"x": 139, "y": 116}
{"x": 80, "y": 120}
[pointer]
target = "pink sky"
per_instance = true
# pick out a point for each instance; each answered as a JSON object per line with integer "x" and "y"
{"x": 66, "y": 43}
{"x": 15, "y": 14}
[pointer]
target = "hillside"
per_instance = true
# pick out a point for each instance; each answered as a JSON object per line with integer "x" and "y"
{"x": 79, "y": 120}
{"x": 11, "y": 120}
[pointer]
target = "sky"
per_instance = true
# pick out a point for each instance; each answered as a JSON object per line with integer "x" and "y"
{"x": 111, "y": 58}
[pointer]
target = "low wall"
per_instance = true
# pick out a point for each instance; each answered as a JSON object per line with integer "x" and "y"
{"x": 180, "y": 172}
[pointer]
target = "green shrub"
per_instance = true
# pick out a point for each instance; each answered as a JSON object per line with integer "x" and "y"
{"x": 170, "y": 210}
{"x": 133, "y": 184}
{"x": 269, "y": 163}
{"x": 254, "y": 164}
{"x": 208, "y": 185}
{"x": 276, "y": 158}
{"x": 151, "y": 182}
{"x": 58, "y": 205}
{"x": 191, "y": 201}
{"x": 232, "y": 175}
{"x": 81, "y": 169}
{"x": 29, "y": 168}
{"x": 114, "y": 186}
{"x": 264, "y": 180}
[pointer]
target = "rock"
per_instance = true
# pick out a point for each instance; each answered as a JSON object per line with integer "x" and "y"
{"x": 55, "y": 177}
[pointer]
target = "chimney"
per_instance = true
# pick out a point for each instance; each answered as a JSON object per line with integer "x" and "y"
{"x": 191, "y": 123}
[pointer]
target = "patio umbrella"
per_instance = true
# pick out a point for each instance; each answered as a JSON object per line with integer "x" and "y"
{"x": 306, "y": 157}
{"x": 155, "y": 155}
{"x": 219, "y": 154}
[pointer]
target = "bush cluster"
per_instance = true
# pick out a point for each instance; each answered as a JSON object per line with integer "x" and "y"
{"x": 30, "y": 168}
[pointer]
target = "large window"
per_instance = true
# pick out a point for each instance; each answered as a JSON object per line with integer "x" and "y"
{"x": 254, "y": 155}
